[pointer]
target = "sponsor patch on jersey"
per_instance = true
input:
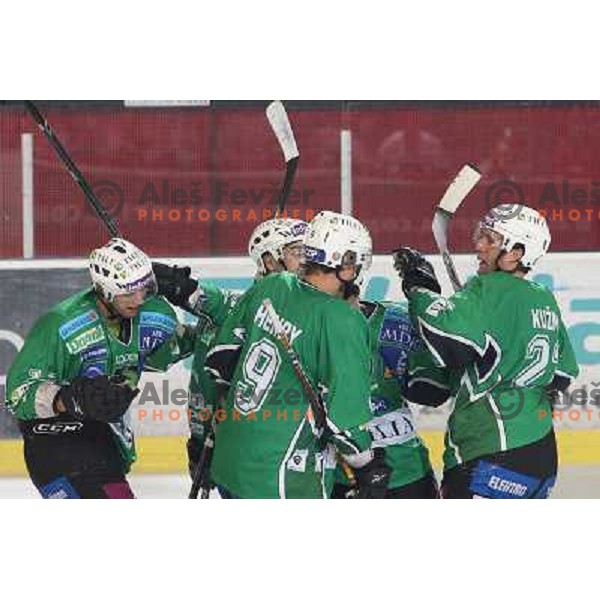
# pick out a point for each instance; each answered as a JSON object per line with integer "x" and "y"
{"x": 378, "y": 405}
{"x": 35, "y": 373}
{"x": 94, "y": 360}
{"x": 88, "y": 338}
{"x": 94, "y": 353}
{"x": 79, "y": 322}
{"x": 397, "y": 337}
{"x": 232, "y": 298}
{"x": 19, "y": 393}
{"x": 297, "y": 461}
{"x": 392, "y": 429}
{"x": 94, "y": 370}
{"x": 129, "y": 359}
{"x": 439, "y": 305}
{"x": 151, "y": 338}
{"x": 493, "y": 481}
{"x": 157, "y": 320}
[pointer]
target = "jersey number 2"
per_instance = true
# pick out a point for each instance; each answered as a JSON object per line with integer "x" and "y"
{"x": 538, "y": 356}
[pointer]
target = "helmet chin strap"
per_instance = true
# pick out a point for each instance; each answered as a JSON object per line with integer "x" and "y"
{"x": 113, "y": 314}
{"x": 349, "y": 287}
{"x": 497, "y": 264}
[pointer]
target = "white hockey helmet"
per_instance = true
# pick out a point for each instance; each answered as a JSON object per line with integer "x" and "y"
{"x": 334, "y": 240}
{"x": 273, "y": 236}
{"x": 520, "y": 224}
{"x": 119, "y": 267}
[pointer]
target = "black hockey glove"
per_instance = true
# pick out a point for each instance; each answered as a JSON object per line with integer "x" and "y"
{"x": 97, "y": 398}
{"x": 372, "y": 480}
{"x": 414, "y": 270}
{"x": 174, "y": 283}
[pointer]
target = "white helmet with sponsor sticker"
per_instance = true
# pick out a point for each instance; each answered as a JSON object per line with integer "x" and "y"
{"x": 273, "y": 236}
{"x": 119, "y": 267}
{"x": 520, "y": 224}
{"x": 335, "y": 240}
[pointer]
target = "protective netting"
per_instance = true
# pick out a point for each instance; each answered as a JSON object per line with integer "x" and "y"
{"x": 193, "y": 181}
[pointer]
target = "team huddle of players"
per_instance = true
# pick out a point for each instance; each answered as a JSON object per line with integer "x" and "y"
{"x": 312, "y": 382}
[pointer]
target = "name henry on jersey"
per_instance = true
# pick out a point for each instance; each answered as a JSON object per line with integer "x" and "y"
{"x": 264, "y": 321}
{"x": 544, "y": 318}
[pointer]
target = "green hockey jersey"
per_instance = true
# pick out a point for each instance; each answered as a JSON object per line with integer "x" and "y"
{"x": 211, "y": 305}
{"x": 74, "y": 339}
{"x": 265, "y": 444}
{"x": 392, "y": 339}
{"x": 501, "y": 341}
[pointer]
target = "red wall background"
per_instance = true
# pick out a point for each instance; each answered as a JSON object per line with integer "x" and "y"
{"x": 403, "y": 158}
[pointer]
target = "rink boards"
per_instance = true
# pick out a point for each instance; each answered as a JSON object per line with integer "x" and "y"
{"x": 162, "y": 423}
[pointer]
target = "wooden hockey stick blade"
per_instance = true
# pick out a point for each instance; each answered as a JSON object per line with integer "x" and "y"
{"x": 280, "y": 123}
{"x": 455, "y": 193}
{"x": 459, "y": 189}
{"x": 440, "y": 225}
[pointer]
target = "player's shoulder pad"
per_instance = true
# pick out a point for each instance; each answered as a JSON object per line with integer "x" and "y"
{"x": 79, "y": 302}
{"x": 53, "y": 320}
{"x": 341, "y": 314}
{"x": 478, "y": 281}
{"x": 72, "y": 313}
{"x": 158, "y": 304}
{"x": 542, "y": 290}
{"x": 283, "y": 278}
{"x": 399, "y": 308}
{"x": 272, "y": 281}
{"x": 156, "y": 312}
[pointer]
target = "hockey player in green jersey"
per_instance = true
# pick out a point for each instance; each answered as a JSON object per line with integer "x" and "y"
{"x": 502, "y": 345}
{"x": 73, "y": 381}
{"x": 392, "y": 339}
{"x": 275, "y": 245}
{"x": 269, "y": 443}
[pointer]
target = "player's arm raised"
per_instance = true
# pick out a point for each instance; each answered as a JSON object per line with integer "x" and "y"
{"x": 451, "y": 328}
{"x": 222, "y": 358}
{"x": 195, "y": 296}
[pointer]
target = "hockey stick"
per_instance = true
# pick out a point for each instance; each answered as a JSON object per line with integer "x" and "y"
{"x": 315, "y": 403}
{"x": 201, "y": 479}
{"x": 282, "y": 129}
{"x": 201, "y": 482}
{"x": 316, "y": 406}
{"x": 72, "y": 168}
{"x": 456, "y": 192}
